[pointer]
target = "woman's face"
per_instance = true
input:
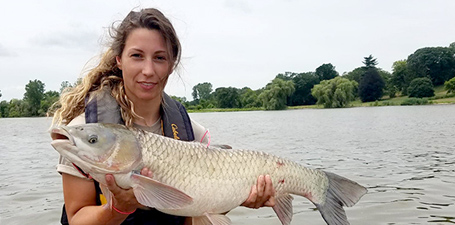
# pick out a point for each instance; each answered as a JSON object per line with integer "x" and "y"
{"x": 145, "y": 65}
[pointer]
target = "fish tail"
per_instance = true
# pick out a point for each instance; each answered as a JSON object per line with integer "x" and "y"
{"x": 341, "y": 192}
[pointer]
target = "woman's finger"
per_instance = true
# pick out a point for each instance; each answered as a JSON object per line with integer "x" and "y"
{"x": 269, "y": 192}
{"x": 271, "y": 202}
{"x": 260, "y": 186}
{"x": 265, "y": 187}
{"x": 112, "y": 185}
{"x": 146, "y": 172}
{"x": 123, "y": 199}
{"x": 249, "y": 202}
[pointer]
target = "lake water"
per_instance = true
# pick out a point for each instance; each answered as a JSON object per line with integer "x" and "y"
{"x": 405, "y": 156}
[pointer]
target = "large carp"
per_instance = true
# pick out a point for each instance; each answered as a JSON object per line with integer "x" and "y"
{"x": 193, "y": 180}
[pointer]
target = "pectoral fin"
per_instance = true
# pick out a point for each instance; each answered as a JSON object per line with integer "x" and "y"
{"x": 155, "y": 194}
{"x": 283, "y": 208}
{"x": 211, "y": 219}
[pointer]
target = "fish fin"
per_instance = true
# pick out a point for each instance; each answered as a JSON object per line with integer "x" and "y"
{"x": 283, "y": 208}
{"x": 107, "y": 195}
{"x": 211, "y": 219}
{"x": 341, "y": 192}
{"x": 222, "y": 146}
{"x": 201, "y": 220}
{"x": 155, "y": 194}
{"x": 218, "y": 219}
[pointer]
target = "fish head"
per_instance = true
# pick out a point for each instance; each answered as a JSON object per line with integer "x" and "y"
{"x": 98, "y": 148}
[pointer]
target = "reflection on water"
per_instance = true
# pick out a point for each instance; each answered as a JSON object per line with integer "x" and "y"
{"x": 403, "y": 155}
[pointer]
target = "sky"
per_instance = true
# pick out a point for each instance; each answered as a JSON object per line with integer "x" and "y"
{"x": 229, "y": 43}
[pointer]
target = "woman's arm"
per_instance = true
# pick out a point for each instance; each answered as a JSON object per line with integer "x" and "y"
{"x": 80, "y": 195}
{"x": 80, "y": 201}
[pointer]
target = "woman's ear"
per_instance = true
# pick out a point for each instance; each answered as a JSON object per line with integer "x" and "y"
{"x": 119, "y": 62}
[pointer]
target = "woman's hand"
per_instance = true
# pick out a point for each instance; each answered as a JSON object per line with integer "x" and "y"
{"x": 262, "y": 193}
{"x": 124, "y": 199}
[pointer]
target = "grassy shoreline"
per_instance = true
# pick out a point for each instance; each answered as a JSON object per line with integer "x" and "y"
{"x": 443, "y": 101}
{"x": 441, "y": 97}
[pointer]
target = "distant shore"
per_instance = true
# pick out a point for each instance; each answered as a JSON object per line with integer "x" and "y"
{"x": 440, "y": 97}
{"x": 397, "y": 101}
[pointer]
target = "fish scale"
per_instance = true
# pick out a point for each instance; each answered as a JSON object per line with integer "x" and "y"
{"x": 194, "y": 180}
{"x": 187, "y": 165}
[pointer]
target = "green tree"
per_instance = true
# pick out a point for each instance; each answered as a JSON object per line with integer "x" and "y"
{"x": 452, "y": 45}
{"x": 207, "y": 104}
{"x": 179, "y": 99}
{"x": 371, "y": 87}
{"x": 356, "y": 74}
{"x": 227, "y": 97}
{"x": 437, "y": 63}
{"x": 386, "y": 76}
{"x": 50, "y": 97}
{"x": 4, "y": 109}
{"x": 326, "y": 72}
{"x": 370, "y": 62}
{"x": 276, "y": 93}
{"x": 202, "y": 91}
{"x": 303, "y": 82}
{"x": 421, "y": 87}
{"x": 450, "y": 85}
{"x": 400, "y": 75}
{"x": 17, "y": 108}
{"x": 391, "y": 91}
{"x": 249, "y": 98}
{"x": 335, "y": 93}
{"x": 34, "y": 93}
{"x": 285, "y": 76}
{"x": 65, "y": 85}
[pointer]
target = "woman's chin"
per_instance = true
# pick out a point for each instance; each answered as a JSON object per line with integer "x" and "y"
{"x": 149, "y": 98}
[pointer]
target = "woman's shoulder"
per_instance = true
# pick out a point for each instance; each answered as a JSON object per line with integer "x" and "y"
{"x": 199, "y": 131}
{"x": 77, "y": 120}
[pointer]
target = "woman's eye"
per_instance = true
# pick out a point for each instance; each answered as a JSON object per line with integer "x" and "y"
{"x": 92, "y": 139}
{"x": 161, "y": 58}
{"x": 136, "y": 55}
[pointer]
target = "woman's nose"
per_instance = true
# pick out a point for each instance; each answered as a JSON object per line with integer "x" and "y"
{"x": 147, "y": 69}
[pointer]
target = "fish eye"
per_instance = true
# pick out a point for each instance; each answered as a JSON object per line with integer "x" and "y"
{"x": 92, "y": 139}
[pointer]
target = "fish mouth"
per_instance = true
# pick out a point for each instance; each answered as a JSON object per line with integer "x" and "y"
{"x": 61, "y": 135}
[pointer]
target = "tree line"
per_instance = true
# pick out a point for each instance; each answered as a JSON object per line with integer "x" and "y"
{"x": 415, "y": 76}
{"x": 36, "y": 101}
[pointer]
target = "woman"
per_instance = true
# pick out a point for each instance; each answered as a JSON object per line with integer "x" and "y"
{"x": 127, "y": 87}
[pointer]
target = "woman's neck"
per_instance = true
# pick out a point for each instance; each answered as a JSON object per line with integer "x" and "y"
{"x": 149, "y": 111}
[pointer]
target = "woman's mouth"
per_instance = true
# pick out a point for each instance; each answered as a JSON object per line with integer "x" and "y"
{"x": 147, "y": 85}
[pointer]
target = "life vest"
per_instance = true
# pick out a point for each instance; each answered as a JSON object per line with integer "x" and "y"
{"x": 175, "y": 122}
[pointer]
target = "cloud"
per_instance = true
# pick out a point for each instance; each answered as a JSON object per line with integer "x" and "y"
{"x": 74, "y": 37}
{"x": 4, "y": 52}
{"x": 10, "y": 92}
{"x": 238, "y": 5}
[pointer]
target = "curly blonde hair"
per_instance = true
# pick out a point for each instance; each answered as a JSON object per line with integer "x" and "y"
{"x": 107, "y": 74}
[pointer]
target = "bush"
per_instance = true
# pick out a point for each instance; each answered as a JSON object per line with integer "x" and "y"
{"x": 392, "y": 91}
{"x": 450, "y": 85}
{"x": 442, "y": 96}
{"x": 335, "y": 93}
{"x": 421, "y": 87}
{"x": 381, "y": 103}
{"x": 415, "y": 101}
